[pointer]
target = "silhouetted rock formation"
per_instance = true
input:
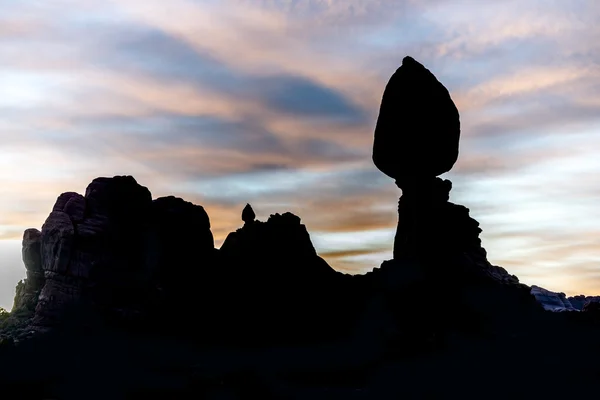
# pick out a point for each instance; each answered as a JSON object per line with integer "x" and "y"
{"x": 185, "y": 254}
{"x": 273, "y": 264}
{"x": 428, "y": 221}
{"x": 592, "y": 307}
{"x": 416, "y": 139}
{"x": 418, "y": 127}
{"x": 136, "y": 302}
{"x": 28, "y": 290}
{"x": 117, "y": 251}
{"x": 579, "y": 301}
{"x": 559, "y": 302}
{"x": 248, "y": 215}
{"x": 64, "y": 271}
{"x": 553, "y": 301}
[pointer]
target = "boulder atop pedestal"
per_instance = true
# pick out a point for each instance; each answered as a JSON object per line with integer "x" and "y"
{"x": 418, "y": 127}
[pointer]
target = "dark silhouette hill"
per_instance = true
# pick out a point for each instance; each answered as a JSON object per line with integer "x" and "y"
{"x": 127, "y": 298}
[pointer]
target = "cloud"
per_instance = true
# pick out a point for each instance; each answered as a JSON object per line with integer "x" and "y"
{"x": 297, "y": 95}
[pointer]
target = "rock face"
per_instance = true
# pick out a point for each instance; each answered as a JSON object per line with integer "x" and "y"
{"x": 552, "y": 301}
{"x": 430, "y": 227}
{"x": 418, "y": 127}
{"x": 558, "y": 302}
{"x": 28, "y": 290}
{"x": 94, "y": 247}
{"x": 115, "y": 250}
{"x": 579, "y": 301}
{"x": 275, "y": 264}
{"x": 592, "y": 307}
{"x": 184, "y": 251}
{"x": 116, "y": 253}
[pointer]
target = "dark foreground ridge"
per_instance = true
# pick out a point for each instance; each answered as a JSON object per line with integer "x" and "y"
{"x": 127, "y": 298}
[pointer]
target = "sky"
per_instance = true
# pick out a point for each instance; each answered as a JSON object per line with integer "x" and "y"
{"x": 274, "y": 103}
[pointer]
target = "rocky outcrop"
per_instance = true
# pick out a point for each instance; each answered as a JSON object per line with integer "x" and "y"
{"x": 558, "y": 301}
{"x": 116, "y": 253}
{"x": 28, "y": 290}
{"x": 275, "y": 265}
{"x": 185, "y": 254}
{"x": 63, "y": 277}
{"x": 248, "y": 215}
{"x": 115, "y": 250}
{"x": 95, "y": 248}
{"x": 430, "y": 229}
{"x": 552, "y": 301}
{"x": 592, "y": 307}
{"x": 580, "y": 300}
{"x": 273, "y": 239}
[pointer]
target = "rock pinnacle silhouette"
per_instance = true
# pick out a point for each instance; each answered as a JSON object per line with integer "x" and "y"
{"x": 248, "y": 214}
{"x": 418, "y": 127}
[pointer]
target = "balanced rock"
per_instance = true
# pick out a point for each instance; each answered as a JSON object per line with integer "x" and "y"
{"x": 418, "y": 128}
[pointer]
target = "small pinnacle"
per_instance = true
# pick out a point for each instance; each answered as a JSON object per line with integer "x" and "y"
{"x": 248, "y": 214}
{"x": 409, "y": 62}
